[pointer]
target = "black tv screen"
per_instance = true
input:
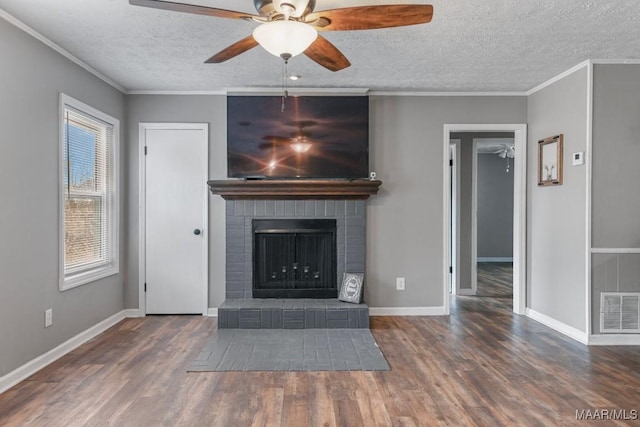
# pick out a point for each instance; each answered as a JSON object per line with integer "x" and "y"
{"x": 314, "y": 137}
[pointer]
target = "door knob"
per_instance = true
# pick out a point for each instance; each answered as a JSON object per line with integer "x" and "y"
{"x": 197, "y": 231}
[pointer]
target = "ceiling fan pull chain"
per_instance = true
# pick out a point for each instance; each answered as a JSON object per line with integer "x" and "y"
{"x": 285, "y": 61}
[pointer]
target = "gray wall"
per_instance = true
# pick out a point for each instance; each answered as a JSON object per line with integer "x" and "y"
{"x": 495, "y": 207}
{"x": 556, "y": 220}
{"x": 170, "y": 109}
{"x": 612, "y": 273}
{"x": 616, "y": 175}
{"x": 405, "y": 223}
{"x": 465, "y": 164}
{"x": 616, "y": 151}
{"x": 33, "y": 75}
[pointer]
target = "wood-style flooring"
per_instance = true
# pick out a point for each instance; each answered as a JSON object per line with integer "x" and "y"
{"x": 481, "y": 366}
{"x": 495, "y": 280}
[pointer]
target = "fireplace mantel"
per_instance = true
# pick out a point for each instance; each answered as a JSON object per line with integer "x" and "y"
{"x": 291, "y": 189}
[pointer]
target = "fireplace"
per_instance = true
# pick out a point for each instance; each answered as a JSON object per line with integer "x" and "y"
{"x": 320, "y": 224}
{"x": 294, "y": 258}
{"x": 349, "y": 218}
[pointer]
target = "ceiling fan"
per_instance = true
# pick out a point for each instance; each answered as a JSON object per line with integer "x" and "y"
{"x": 506, "y": 151}
{"x": 300, "y": 141}
{"x": 290, "y": 27}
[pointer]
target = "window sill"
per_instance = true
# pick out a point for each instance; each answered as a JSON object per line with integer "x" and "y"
{"x": 85, "y": 277}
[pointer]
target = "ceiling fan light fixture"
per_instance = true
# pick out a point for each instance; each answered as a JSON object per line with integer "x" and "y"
{"x": 285, "y": 39}
{"x": 293, "y": 8}
{"x": 301, "y": 147}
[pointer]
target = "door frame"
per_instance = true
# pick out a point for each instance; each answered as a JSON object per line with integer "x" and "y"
{"x": 142, "y": 203}
{"x": 474, "y": 217}
{"x": 454, "y": 221}
{"x": 519, "y": 207}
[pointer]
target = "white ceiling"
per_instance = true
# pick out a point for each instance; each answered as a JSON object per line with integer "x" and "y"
{"x": 470, "y": 46}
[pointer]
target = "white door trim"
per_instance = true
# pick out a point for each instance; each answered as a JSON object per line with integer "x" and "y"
{"x": 474, "y": 217}
{"x": 454, "y": 252}
{"x": 519, "y": 208}
{"x": 142, "y": 237}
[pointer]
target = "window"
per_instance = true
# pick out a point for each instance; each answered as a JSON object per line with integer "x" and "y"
{"x": 89, "y": 212}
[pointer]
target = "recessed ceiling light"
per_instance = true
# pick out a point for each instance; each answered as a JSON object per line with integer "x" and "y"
{"x": 295, "y": 77}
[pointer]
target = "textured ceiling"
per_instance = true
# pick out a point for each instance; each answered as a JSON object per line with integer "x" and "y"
{"x": 491, "y": 145}
{"x": 470, "y": 46}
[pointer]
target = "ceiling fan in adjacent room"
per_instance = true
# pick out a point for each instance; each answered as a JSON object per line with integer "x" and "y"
{"x": 290, "y": 27}
{"x": 506, "y": 152}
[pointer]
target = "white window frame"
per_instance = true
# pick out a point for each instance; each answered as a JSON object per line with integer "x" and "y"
{"x": 74, "y": 279}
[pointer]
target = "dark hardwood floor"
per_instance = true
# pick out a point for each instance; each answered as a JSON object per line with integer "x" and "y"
{"x": 495, "y": 280}
{"x": 481, "y": 366}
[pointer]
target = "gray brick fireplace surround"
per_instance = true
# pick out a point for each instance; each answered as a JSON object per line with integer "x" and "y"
{"x": 350, "y": 237}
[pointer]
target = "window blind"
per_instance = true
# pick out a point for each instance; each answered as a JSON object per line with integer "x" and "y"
{"x": 88, "y": 192}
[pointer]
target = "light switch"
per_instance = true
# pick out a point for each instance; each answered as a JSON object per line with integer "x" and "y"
{"x": 578, "y": 158}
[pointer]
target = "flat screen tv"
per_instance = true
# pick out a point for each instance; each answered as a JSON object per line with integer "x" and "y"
{"x": 314, "y": 137}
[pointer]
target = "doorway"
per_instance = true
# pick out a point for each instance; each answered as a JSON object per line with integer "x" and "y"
{"x": 492, "y": 225}
{"x": 519, "y": 212}
{"x": 173, "y": 218}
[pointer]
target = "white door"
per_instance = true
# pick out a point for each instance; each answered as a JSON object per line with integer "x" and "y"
{"x": 175, "y": 208}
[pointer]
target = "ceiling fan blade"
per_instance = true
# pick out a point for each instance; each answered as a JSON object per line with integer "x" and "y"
{"x": 371, "y": 17}
{"x": 326, "y": 54}
{"x": 234, "y": 50}
{"x": 191, "y": 8}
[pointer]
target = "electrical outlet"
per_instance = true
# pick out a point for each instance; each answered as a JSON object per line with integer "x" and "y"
{"x": 48, "y": 317}
{"x": 400, "y": 283}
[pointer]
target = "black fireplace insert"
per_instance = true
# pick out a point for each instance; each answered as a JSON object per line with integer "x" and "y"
{"x": 294, "y": 258}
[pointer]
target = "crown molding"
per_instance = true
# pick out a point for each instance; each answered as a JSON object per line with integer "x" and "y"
{"x": 294, "y": 91}
{"x": 176, "y": 92}
{"x": 46, "y": 41}
{"x": 560, "y": 76}
{"x": 298, "y": 91}
{"x": 417, "y": 93}
{"x": 616, "y": 61}
{"x": 251, "y": 91}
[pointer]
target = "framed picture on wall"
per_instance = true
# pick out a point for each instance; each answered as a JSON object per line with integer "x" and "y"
{"x": 550, "y": 161}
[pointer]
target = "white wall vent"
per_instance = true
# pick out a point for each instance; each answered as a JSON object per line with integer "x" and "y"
{"x": 620, "y": 312}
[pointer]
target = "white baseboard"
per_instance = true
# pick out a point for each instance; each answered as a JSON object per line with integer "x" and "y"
{"x": 563, "y": 328}
{"x": 14, "y": 377}
{"x": 494, "y": 259}
{"x": 407, "y": 311}
{"x": 465, "y": 292}
{"x": 212, "y": 312}
{"x": 133, "y": 312}
{"x": 615, "y": 339}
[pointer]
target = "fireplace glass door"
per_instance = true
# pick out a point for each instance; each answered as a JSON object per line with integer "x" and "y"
{"x": 294, "y": 259}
